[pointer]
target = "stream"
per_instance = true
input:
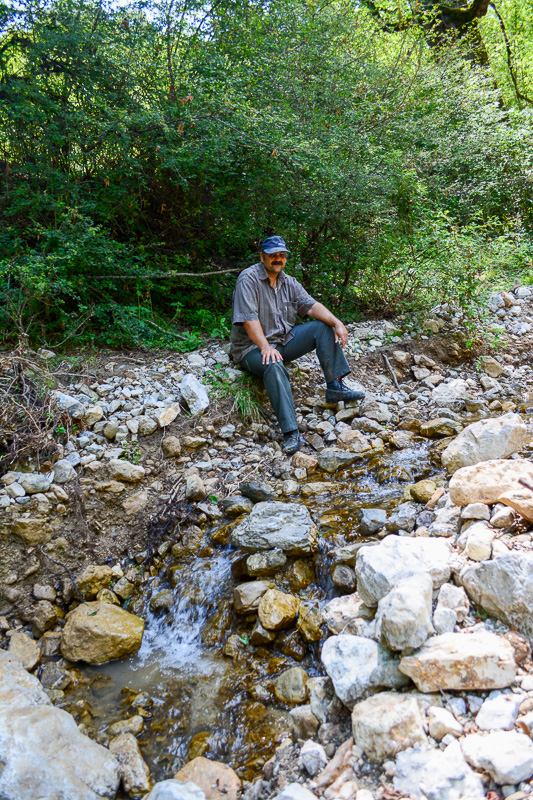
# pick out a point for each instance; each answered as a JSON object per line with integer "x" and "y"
{"x": 197, "y": 701}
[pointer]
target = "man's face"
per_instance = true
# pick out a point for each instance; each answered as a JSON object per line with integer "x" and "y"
{"x": 274, "y": 262}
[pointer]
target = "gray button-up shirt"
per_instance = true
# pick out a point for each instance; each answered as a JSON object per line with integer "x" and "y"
{"x": 276, "y": 309}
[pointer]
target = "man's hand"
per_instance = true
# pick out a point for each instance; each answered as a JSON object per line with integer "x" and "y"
{"x": 270, "y": 355}
{"x": 341, "y": 334}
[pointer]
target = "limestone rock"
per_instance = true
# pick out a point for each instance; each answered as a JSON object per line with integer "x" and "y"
{"x": 486, "y": 440}
{"x": 313, "y": 757}
{"x": 277, "y": 610}
{"x": 64, "y": 471}
{"x": 266, "y": 563}
{"x": 135, "y": 503}
{"x": 216, "y": 780}
{"x": 33, "y": 482}
{"x": 194, "y": 488}
{"x": 486, "y": 482}
{"x": 332, "y": 458}
{"x": 521, "y": 500}
{"x": 164, "y": 416}
{"x": 403, "y": 618}
{"x": 506, "y": 755}
{"x": 133, "y": 768}
{"x": 194, "y": 394}
{"x": 479, "y": 538}
{"x": 132, "y": 725}
{"x": 341, "y": 611}
{"x": 439, "y": 427}
{"x": 447, "y": 522}
{"x": 436, "y": 775}
{"x": 387, "y": 723}
{"x": 247, "y": 596}
{"x": 380, "y": 568}
{"x": 286, "y": 526}
{"x": 422, "y": 491}
{"x": 43, "y": 754}
{"x": 371, "y": 520}
{"x": 498, "y": 712}
{"x": 356, "y": 664}
{"x": 403, "y": 518}
{"x": 147, "y": 425}
{"x": 504, "y": 588}
{"x": 235, "y": 505}
{"x": 295, "y": 791}
{"x": 446, "y": 394}
{"x": 261, "y": 492}
{"x": 171, "y": 446}
{"x": 25, "y": 649}
{"x": 310, "y": 624}
{"x": 175, "y": 790}
{"x": 457, "y": 661}
{"x": 290, "y": 686}
{"x": 125, "y": 471}
{"x": 304, "y": 724}
{"x": 354, "y": 441}
{"x": 492, "y": 367}
{"x": 476, "y": 511}
{"x": 442, "y": 722}
{"x": 97, "y": 632}
{"x": 93, "y": 578}
{"x": 305, "y": 460}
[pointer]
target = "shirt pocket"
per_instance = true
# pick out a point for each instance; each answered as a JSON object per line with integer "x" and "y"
{"x": 290, "y": 312}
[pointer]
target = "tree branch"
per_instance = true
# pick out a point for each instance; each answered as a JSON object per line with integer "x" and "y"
{"x": 519, "y": 94}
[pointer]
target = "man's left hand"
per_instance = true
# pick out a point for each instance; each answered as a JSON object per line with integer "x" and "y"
{"x": 341, "y": 334}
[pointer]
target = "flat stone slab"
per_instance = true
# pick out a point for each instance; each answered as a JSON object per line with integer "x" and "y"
{"x": 285, "y": 526}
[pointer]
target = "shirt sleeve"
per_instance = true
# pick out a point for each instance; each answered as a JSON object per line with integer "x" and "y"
{"x": 303, "y": 298}
{"x": 245, "y": 301}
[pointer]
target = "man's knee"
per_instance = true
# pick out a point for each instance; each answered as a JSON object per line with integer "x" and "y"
{"x": 275, "y": 371}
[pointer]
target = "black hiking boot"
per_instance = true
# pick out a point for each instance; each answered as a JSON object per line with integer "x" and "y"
{"x": 336, "y": 392}
{"x": 291, "y": 443}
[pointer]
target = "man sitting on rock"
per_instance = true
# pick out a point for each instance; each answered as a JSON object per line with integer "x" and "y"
{"x": 264, "y": 334}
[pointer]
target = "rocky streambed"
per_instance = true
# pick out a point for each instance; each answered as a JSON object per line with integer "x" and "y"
{"x": 186, "y": 613}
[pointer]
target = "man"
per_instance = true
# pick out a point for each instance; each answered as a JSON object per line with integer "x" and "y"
{"x": 266, "y": 303}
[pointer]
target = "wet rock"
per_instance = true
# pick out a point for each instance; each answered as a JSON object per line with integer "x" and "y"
{"x": 216, "y": 780}
{"x": 33, "y": 482}
{"x": 25, "y": 649}
{"x": 124, "y": 471}
{"x": 332, "y": 458}
{"x": 290, "y": 686}
{"x": 134, "y": 771}
{"x": 247, "y": 596}
{"x": 381, "y": 567}
{"x": 64, "y": 471}
{"x": 387, "y": 723}
{"x": 258, "y": 492}
{"x": 267, "y": 563}
{"x": 97, "y": 632}
{"x": 194, "y": 394}
{"x": 171, "y": 446}
{"x": 403, "y": 618}
{"x": 162, "y": 601}
{"x": 235, "y": 505}
{"x": 277, "y": 610}
{"x": 521, "y": 500}
{"x": 303, "y": 722}
{"x": 310, "y": 624}
{"x": 132, "y": 725}
{"x": 260, "y": 635}
{"x": 486, "y": 482}
{"x": 194, "y": 488}
{"x": 175, "y": 790}
{"x": 403, "y": 518}
{"x": 504, "y": 588}
{"x": 436, "y": 775}
{"x": 498, "y": 712}
{"x": 343, "y": 577}
{"x": 422, "y": 491}
{"x": 506, "y": 755}
{"x": 439, "y": 428}
{"x": 305, "y": 461}
{"x": 318, "y": 487}
{"x": 41, "y": 749}
{"x": 286, "y": 526}
{"x": 341, "y": 611}
{"x": 123, "y": 588}
{"x": 479, "y": 538}
{"x": 356, "y": 664}
{"x": 300, "y": 575}
{"x": 313, "y": 757}
{"x": 442, "y": 723}
{"x": 456, "y": 661}
{"x": 233, "y": 648}
{"x": 485, "y": 440}
{"x": 135, "y": 503}
{"x": 49, "y": 643}
{"x": 93, "y": 578}
{"x": 371, "y": 520}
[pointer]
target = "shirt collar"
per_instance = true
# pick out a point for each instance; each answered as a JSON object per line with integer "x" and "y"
{"x": 263, "y": 274}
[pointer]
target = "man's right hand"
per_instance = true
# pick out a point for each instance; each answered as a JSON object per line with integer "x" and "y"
{"x": 270, "y": 355}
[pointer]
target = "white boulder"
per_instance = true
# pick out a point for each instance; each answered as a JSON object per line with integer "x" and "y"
{"x": 506, "y": 755}
{"x": 486, "y": 440}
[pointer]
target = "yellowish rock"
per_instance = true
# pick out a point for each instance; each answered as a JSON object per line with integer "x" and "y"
{"x": 318, "y": 487}
{"x": 354, "y": 442}
{"x": 308, "y": 462}
{"x": 422, "y": 491}
{"x": 216, "y": 780}
{"x": 33, "y": 531}
{"x": 487, "y": 481}
{"x": 97, "y": 632}
{"x": 25, "y": 649}
{"x": 310, "y": 624}
{"x": 521, "y": 500}
{"x": 135, "y": 503}
{"x": 277, "y": 610}
{"x": 93, "y": 578}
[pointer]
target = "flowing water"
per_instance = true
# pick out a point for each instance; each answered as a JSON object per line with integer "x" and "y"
{"x": 198, "y": 701}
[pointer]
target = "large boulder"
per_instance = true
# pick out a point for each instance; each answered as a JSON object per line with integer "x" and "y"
{"x": 387, "y": 723}
{"x": 42, "y": 751}
{"x": 459, "y": 661}
{"x": 403, "y": 618}
{"x": 194, "y": 394}
{"x": 486, "y": 482}
{"x": 286, "y": 526}
{"x": 504, "y": 588}
{"x": 436, "y": 775}
{"x": 506, "y": 755}
{"x": 381, "y": 567}
{"x": 485, "y": 440}
{"x": 97, "y": 632}
{"x": 356, "y": 665}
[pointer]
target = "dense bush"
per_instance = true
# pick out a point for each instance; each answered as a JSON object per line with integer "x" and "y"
{"x": 145, "y": 142}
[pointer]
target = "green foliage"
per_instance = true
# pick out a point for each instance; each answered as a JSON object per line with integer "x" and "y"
{"x": 142, "y": 142}
{"x": 245, "y": 392}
